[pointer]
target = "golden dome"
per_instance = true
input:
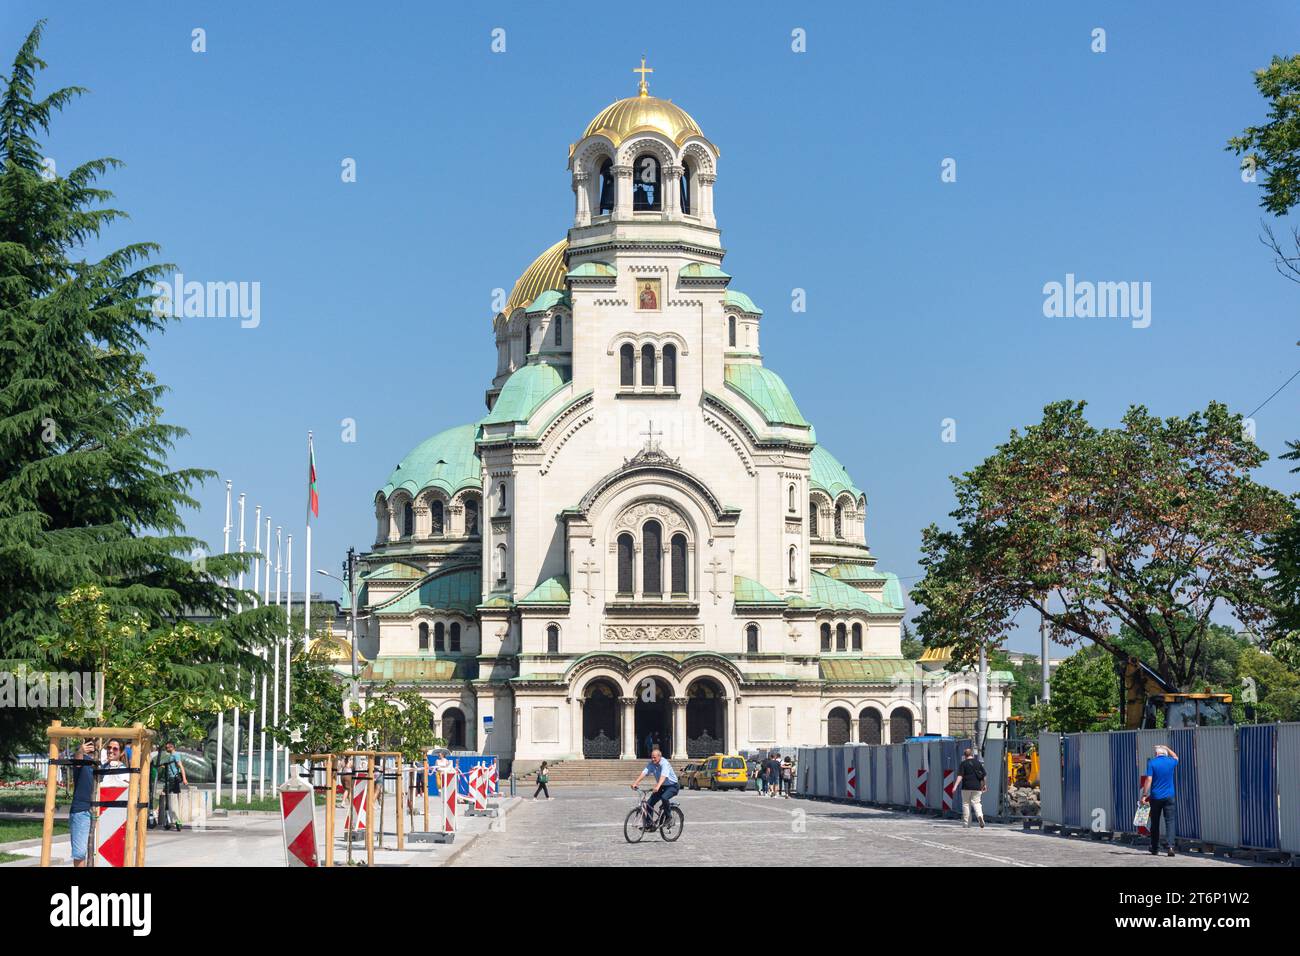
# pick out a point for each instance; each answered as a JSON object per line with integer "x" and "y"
{"x": 636, "y": 114}
{"x": 546, "y": 272}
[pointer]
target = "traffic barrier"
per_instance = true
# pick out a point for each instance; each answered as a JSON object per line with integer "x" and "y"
{"x": 110, "y": 827}
{"x": 850, "y": 782}
{"x": 918, "y": 756}
{"x": 322, "y": 764}
{"x": 358, "y": 813}
{"x": 298, "y": 823}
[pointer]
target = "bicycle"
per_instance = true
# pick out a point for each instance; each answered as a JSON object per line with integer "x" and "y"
{"x": 669, "y": 825}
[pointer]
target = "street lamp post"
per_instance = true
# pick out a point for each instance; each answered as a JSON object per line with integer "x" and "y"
{"x": 350, "y": 567}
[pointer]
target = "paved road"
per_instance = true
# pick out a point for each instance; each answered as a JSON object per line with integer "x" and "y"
{"x": 583, "y": 826}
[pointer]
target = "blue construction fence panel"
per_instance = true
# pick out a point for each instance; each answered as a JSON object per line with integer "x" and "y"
{"x": 1217, "y": 785}
{"x": 462, "y": 765}
{"x": 1049, "y": 776}
{"x": 1123, "y": 779}
{"x": 1070, "y": 794}
{"x": 1257, "y": 772}
{"x": 1187, "y": 806}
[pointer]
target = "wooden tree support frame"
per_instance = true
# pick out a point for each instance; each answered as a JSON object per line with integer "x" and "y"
{"x": 137, "y": 811}
{"x": 396, "y": 756}
{"x": 370, "y": 756}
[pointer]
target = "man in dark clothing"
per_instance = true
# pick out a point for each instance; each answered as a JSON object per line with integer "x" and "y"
{"x": 972, "y": 780}
{"x": 1159, "y": 792}
{"x": 83, "y": 793}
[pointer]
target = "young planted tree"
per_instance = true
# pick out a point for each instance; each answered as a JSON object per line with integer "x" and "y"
{"x": 1154, "y": 525}
{"x": 87, "y": 499}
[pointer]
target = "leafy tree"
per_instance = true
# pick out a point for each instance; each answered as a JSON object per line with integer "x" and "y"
{"x": 1273, "y": 149}
{"x": 317, "y": 721}
{"x": 1153, "y": 525}
{"x": 1282, "y": 634}
{"x": 1085, "y": 693}
{"x": 912, "y": 648}
{"x": 400, "y": 721}
{"x": 1277, "y": 686}
{"x": 86, "y": 496}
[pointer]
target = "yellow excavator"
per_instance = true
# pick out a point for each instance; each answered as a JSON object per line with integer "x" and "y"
{"x": 1022, "y": 751}
{"x": 1149, "y": 701}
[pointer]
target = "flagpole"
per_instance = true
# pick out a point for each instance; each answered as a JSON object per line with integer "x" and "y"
{"x": 221, "y": 714}
{"x": 288, "y": 640}
{"x": 275, "y": 706}
{"x": 234, "y": 727}
{"x": 266, "y": 599}
{"x": 252, "y": 691}
{"x": 306, "y": 596}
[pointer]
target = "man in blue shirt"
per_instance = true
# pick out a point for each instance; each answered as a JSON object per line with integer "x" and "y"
{"x": 83, "y": 796}
{"x": 1159, "y": 792}
{"x": 665, "y": 783}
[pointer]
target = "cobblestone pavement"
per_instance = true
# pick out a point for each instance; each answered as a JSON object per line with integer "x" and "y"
{"x": 583, "y": 826}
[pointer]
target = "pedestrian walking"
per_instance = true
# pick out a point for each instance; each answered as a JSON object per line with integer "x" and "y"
{"x": 1158, "y": 791}
{"x": 973, "y": 781}
{"x": 773, "y": 776}
{"x": 173, "y": 776}
{"x": 83, "y": 795}
{"x": 787, "y": 777}
{"x": 543, "y": 778}
{"x": 760, "y": 779}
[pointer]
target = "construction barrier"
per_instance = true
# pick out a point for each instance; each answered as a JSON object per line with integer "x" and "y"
{"x": 447, "y": 800}
{"x": 464, "y": 762}
{"x": 1237, "y": 787}
{"x": 298, "y": 822}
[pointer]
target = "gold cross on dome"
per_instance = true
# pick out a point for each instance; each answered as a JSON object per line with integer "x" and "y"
{"x": 643, "y": 71}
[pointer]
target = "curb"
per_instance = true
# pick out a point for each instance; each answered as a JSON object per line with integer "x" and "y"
{"x": 506, "y": 811}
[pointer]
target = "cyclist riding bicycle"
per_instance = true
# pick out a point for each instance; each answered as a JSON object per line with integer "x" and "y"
{"x": 665, "y": 784}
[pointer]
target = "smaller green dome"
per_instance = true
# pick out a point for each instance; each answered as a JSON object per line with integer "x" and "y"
{"x": 525, "y": 391}
{"x": 830, "y": 476}
{"x": 449, "y": 460}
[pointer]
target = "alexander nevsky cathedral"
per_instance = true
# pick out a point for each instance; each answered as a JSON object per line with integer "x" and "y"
{"x": 642, "y": 538}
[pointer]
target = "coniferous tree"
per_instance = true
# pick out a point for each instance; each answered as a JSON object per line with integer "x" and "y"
{"x": 87, "y": 498}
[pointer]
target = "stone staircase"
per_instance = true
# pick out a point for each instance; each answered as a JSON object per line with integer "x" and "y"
{"x": 586, "y": 773}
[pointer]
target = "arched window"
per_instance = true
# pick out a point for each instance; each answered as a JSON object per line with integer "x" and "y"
{"x": 652, "y": 546}
{"x": 791, "y": 496}
{"x": 439, "y": 636}
{"x": 552, "y": 639}
{"x": 840, "y": 643}
{"x": 408, "y": 520}
{"x": 501, "y": 496}
{"x": 794, "y": 566}
{"x": 528, "y": 338}
{"x": 501, "y": 564}
{"x": 686, "y": 189}
{"x": 606, "y": 203}
{"x": 471, "y": 516}
{"x": 558, "y": 322}
{"x": 424, "y": 636}
{"x": 857, "y": 637}
{"x": 646, "y": 195}
{"x": 839, "y": 521}
{"x": 435, "y": 516}
{"x": 455, "y": 638}
{"x": 678, "y": 551}
{"x": 731, "y": 331}
{"x": 670, "y": 366}
{"x": 826, "y": 637}
{"x": 626, "y": 555}
{"x": 626, "y": 366}
{"x": 648, "y": 365}
{"x": 812, "y": 517}
{"x": 751, "y": 639}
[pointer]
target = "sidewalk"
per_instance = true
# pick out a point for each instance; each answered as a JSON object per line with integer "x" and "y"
{"x": 253, "y": 838}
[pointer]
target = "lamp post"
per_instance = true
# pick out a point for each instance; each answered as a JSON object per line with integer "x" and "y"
{"x": 349, "y": 567}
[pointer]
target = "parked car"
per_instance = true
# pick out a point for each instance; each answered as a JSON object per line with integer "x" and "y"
{"x": 688, "y": 776}
{"x": 722, "y": 772}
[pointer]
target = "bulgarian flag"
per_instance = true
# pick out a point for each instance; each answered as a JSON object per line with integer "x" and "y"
{"x": 313, "y": 500}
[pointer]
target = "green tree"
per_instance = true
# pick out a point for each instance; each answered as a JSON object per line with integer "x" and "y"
{"x": 1149, "y": 525}
{"x": 86, "y": 495}
{"x": 316, "y": 721}
{"x": 1277, "y": 686}
{"x": 400, "y": 721}
{"x": 1273, "y": 149}
{"x": 911, "y": 647}
{"x": 1085, "y": 693}
{"x": 1282, "y": 634}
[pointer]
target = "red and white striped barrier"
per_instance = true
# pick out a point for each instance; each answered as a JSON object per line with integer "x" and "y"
{"x": 919, "y": 787}
{"x": 357, "y": 809}
{"x": 478, "y": 789}
{"x": 851, "y": 782}
{"x": 110, "y": 828}
{"x": 447, "y": 797}
{"x": 949, "y": 784}
{"x": 493, "y": 778}
{"x": 298, "y": 818}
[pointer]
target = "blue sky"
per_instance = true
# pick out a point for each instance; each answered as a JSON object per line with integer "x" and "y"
{"x": 924, "y": 297}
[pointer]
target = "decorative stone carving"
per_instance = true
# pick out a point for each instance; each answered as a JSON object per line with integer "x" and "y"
{"x": 634, "y": 517}
{"x": 654, "y": 633}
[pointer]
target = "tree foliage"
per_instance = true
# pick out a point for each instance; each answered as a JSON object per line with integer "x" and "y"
{"x": 1085, "y": 693}
{"x": 1273, "y": 149}
{"x": 399, "y": 721}
{"x": 317, "y": 721}
{"x": 1153, "y": 525}
{"x": 87, "y": 498}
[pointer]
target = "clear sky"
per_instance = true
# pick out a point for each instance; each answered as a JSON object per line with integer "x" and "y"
{"x": 925, "y": 298}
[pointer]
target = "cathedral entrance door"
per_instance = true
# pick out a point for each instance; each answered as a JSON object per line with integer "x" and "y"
{"x": 600, "y": 721}
{"x": 706, "y": 718}
{"x": 654, "y": 720}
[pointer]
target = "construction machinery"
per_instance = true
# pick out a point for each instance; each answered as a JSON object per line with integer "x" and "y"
{"x": 1022, "y": 751}
{"x": 1148, "y": 701}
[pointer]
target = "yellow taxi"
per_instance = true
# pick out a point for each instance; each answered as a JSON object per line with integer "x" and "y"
{"x": 721, "y": 772}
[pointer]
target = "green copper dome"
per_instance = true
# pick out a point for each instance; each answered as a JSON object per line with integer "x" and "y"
{"x": 449, "y": 460}
{"x": 830, "y": 476}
